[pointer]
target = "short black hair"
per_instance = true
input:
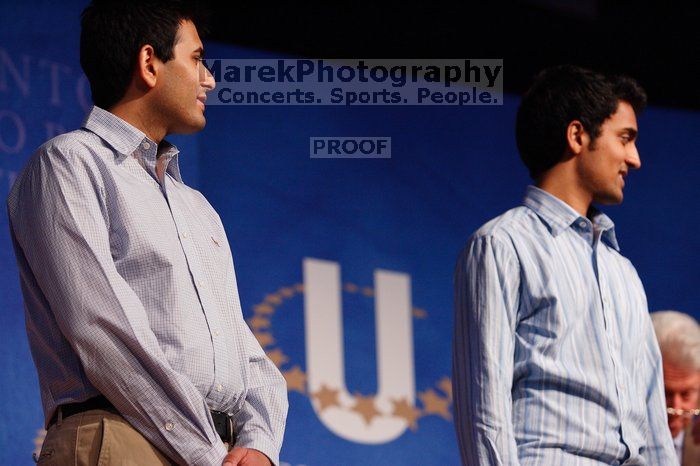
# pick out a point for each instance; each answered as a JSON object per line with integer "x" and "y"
{"x": 559, "y": 95}
{"x": 112, "y": 33}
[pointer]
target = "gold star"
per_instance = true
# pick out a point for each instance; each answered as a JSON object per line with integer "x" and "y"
{"x": 350, "y": 288}
{"x": 264, "y": 309}
{"x": 419, "y": 313}
{"x": 277, "y": 357}
{"x": 257, "y": 322}
{"x": 435, "y": 404}
{"x": 445, "y": 385}
{"x": 296, "y": 379}
{"x": 364, "y": 406}
{"x": 299, "y": 287}
{"x": 407, "y": 411}
{"x": 326, "y": 397}
{"x": 265, "y": 339}
{"x": 367, "y": 291}
{"x": 286, "y": 292}
{"x": 273, "y": 298}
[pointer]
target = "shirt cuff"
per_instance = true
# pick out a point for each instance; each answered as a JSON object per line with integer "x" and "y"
{"x": 215, "y": 456}
{"x": 264, "y": 446}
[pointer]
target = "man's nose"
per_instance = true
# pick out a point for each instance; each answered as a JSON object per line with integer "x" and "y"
{"x": 208, "y": 83}
{"x": 632, "y": 159}
{"x": 675, "y": 401}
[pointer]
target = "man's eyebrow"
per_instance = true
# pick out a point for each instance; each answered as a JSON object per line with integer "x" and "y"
{"x": 631, "y": 131}
{"x": 199, "y": 50}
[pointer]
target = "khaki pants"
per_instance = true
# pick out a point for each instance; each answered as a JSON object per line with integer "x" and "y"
{"x": 97, "y": 438}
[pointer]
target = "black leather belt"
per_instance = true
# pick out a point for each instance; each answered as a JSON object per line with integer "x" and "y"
{"x": 222, "y": 421}
{"x": 69, "y": 409}
{"x": 224, "y": 427}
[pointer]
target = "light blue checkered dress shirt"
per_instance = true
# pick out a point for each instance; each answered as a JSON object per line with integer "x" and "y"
{"x": 555, "y": 358}
{"x": 130, "y": 291}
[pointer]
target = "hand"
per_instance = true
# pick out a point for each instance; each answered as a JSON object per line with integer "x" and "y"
{"x": 240, "y": 456}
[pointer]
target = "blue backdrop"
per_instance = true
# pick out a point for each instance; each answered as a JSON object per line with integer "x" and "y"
{"x": 451, "y": 170}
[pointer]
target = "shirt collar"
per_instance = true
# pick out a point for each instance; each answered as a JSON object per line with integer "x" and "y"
{"x": 130, "y": 141}
{"x": 678, "y": 439}
{"x": 558, "y": 216}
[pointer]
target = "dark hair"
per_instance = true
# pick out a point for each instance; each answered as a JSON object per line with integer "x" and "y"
{"x": 558, "y": 96}
{"x": 112, "y": 33}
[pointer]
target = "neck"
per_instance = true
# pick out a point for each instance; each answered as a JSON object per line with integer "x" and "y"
{"x": 134, "y": 113}
{"x": 559, "y": 182}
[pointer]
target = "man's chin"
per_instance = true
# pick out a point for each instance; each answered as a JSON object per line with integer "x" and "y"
{"x": 676, "y": 429}
{"x": 191, "y": 127}
{"x": 609, "y": 198}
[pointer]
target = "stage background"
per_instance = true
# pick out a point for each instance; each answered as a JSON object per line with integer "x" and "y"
{"x": 451, "y": 170}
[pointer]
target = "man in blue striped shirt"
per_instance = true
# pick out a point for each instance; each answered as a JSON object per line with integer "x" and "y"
{"x": 555, "y": 358}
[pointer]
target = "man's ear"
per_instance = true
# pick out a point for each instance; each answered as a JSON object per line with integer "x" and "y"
{"x": 577, "y": 137}
{"x": 147, "y": 66}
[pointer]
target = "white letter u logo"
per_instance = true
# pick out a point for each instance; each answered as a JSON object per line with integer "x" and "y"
{"x": 359, "y": 420}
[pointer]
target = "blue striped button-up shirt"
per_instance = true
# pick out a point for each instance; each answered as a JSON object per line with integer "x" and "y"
{"x": 130, "y": 291}
{"x": 555, "y": 358}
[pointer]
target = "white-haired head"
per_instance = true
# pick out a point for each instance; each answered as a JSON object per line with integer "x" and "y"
{"x": 679, "y": 338}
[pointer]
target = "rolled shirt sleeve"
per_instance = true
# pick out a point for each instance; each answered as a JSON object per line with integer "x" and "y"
{"x": 486, "y": 302}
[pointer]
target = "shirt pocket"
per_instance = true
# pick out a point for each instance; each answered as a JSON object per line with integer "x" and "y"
{"x": 215, "y": 247}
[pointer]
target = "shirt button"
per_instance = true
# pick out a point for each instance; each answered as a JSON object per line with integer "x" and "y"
{"x": 146, "y": 145}
{"x": 216, "y": 333}
{"x": 169, "y": 426}
{"x": 200, "y": 283}
{"x": 582, "y": 224}
{"x": 184, "y": 235}
{"x": 219, "y": 387}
